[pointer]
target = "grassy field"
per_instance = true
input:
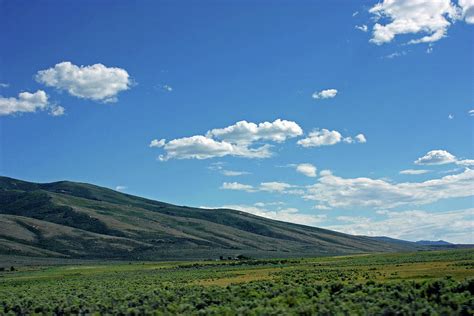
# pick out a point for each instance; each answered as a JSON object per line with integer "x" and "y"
{"x": 424, "y": 283}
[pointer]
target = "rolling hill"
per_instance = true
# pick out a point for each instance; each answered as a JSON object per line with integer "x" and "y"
{"x": 77, "y": 220}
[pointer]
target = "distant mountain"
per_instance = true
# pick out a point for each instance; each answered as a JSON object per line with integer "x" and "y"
{"x": 78, "y": 220}
{"x": 394, "y": 241}
{"x": 433, "y": 243}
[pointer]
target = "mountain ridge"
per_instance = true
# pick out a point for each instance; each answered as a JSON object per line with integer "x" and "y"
{"x": 81, "y": 220}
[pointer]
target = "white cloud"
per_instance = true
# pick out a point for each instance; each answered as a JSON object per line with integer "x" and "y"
{"x": 471, "y": 112}
{"x": 271, "y": 187}
{"x": 450, "y": 116}
{"x": 219, "y": 166}
{"x": 442, "y": 157}
{"x": 237, "y": 186}
{"x": 325, "y": 173}
{"x": 360, "y": 138}
{"x": 96, "y": 82}
{"x": 436, "y": 157}
{"x": 234, "y": 140}
{"x": 120, "y": 188}
{"x": 467, "y": 7}
{"x": 340, "y": 192}
{"x": 202, "y": 147}
{"x": 395, "y": 54}
{"x": 362, "y": 28}
{"x": 233, "y": 173}
{"x": 57, "y": 110}
{"x": 430, "y": 18}
{"x": 157, "y": 143}
{"x": 414, "y": 171}
{"x": 244, "y": 132}
{"x": 453, "y": 226}
{"x": 322, "y": 137}
{"x": 307, "y": 169}
{"x": 4, "y": 85}
{"x": 291, "y": 215}
{"x": 325, "y": 94}
{"x": 164, "y": 87}
{"x": 325, "y": 137}
{"x": 274, "y": 186}
{"x": 321, "y": 207}
{"x": 466, "y": 162}
{"x": 25, "y": 103}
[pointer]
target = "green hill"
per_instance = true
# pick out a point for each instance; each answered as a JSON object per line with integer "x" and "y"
{"x": 78, "y": 220}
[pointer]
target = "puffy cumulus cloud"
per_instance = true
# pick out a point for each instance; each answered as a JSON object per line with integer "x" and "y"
{"x": 325, "y": 137}
{"x": 235, "y": 140}
{"x": 157, "y": 143}
{"x": 322, "y": 137}
{"x": 414, "y": 171}
{"x": 26, "y": 102}
{"x": 307, "y": 169}
{"x": 198, "y": 147}
{"x": 96, "y": 82}
{"x": 244, "y": 132}
{"x": 202, "y": 147}
{"x": 236, "y": 186}
{"x": 430, "y": 18}
{"x": 467, "y": 10}
{"x": 442, "y": 157}
{"x": 291, "y": 215}
{"x": 334, "y": 191}
{"x": 325, "y": 94}
{"x": 436, "y": 157}
{"x": 471, "y": 112}
{"x": 453, "y": 226}
{"x": 360, "y": 138}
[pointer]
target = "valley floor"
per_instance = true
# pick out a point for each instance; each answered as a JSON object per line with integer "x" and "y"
{"x": 424, "y": 282}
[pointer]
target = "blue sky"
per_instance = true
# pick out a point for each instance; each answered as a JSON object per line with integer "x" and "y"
{"x": 338, "y": 103}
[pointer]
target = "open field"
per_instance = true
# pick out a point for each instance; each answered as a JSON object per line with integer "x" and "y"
{"x": 435, "y": 282}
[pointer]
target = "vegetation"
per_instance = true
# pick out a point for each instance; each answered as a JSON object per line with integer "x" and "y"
{"x": 421, "y": 283}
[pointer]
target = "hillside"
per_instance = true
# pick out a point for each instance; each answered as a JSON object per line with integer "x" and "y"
{"x": 77, "y": 220}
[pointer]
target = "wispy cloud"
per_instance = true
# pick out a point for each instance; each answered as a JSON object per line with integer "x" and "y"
{"x": 120, "y": 188}
{"x": 454, "y": 226}
{"x": 362, "y": 28}
{"x": 291, "y": 215}
{"x": 414, "y": 171}
{"x": 338, "y": 192}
